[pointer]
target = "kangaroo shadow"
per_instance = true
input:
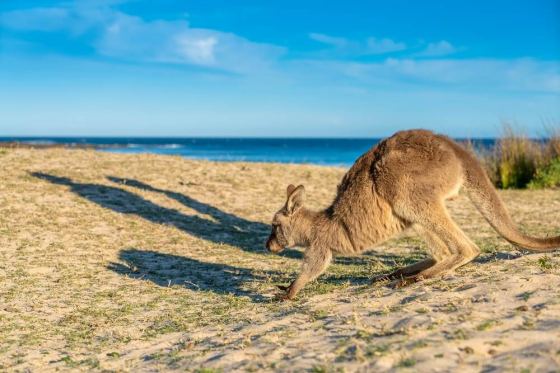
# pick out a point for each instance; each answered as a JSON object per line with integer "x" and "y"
{"x": 169, "y": 270}
{"x": 224, "y": 228}
{"x": 239, "y": 225}
{"x": 224, "y": 218}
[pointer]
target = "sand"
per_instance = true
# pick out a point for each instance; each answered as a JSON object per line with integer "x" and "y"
{"x": 121, "y": 262}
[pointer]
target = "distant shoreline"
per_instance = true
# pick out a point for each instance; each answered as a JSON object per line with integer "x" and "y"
{"x": 32, "y": 145}
{"x": 320, "y": 151}
{"x": 338, "y": 152}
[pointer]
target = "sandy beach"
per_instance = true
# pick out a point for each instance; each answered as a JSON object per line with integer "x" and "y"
{"x": 115, "y": 262}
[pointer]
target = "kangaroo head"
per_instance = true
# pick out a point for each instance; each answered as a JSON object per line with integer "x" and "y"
{"x": 284, "y": 224}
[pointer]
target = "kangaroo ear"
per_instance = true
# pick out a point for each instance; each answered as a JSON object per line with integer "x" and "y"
{"x": 296, "y": 197}
{"x": 291, "y": 188}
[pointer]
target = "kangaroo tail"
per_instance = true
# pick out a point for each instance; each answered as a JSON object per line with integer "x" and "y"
{"x": 484, "y": 196}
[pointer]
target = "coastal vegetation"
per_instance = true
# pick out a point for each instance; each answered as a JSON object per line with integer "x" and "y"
{"x": 517, "y": 161}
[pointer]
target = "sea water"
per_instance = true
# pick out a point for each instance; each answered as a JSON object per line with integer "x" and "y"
{"x": 321, "y": 151}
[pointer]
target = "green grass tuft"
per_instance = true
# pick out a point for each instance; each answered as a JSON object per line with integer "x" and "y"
{"x": 407, "y": 363}
{"x": 547, "y": 176}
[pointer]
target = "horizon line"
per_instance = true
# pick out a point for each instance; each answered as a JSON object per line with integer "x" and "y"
{"x": 7, "y": 138}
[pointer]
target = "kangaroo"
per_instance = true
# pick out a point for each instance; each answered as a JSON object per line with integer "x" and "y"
{"x": 400, "y": 183}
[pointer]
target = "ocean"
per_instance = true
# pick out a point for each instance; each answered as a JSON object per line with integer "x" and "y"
{"x": 321, "y": 151}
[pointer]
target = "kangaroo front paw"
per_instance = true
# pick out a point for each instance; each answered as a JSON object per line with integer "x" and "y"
{"x": 401, "y": 283}
{"x": 286, "y": 293}
{"x": 381, "y": 278}
{"x": 283, "y": 297}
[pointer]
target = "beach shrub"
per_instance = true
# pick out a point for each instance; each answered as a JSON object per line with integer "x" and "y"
{"x": 552, "y": 150}
{"x": 516, "y": 159}
{"x": 547, "y": 176}
{"x": 516, "y": 172}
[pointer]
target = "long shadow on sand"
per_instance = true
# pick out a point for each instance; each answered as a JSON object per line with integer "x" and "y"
{"x": 247, "y": 234}
{"x": 224, "y": 228}
{"x": 168, "y": 270}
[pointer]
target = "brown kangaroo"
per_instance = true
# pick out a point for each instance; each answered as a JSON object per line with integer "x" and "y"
{"x": 400, "y": 183}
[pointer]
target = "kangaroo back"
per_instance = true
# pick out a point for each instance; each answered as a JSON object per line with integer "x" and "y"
{"x": 488, "y": 202}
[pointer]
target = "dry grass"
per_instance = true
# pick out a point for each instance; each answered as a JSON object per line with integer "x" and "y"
{"x": 516, "y": 160}
{"x": 143, "y": 262}
{"x": 553, "y": 145}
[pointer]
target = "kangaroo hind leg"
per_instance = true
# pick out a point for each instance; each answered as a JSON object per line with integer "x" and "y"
{"x": 447, "y": 244}
{"x": 409, "y": 270}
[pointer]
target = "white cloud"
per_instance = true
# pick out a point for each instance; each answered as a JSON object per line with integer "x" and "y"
{"x": 382, "y": 46}
{"x": 120, "y": 35}
{"x": 198, "y": 50}
{"x": 132, "y": 38}
{"x": 479, "y": 74}
{"x": 354, "y": 48}
{"x": 330, "y": 40}
{"x": 438, "y": 49}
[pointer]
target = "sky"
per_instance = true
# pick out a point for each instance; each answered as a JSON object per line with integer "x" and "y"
{"x": 277, "y": 68}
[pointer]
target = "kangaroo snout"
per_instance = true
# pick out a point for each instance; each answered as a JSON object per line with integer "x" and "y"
{"x": 273, "y": 246}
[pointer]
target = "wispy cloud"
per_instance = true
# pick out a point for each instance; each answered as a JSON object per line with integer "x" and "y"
{"x": 438, "y": 49}
{"x": 120, "y": 35}
{"x": 370, "y": 46}
{"x": 382, "y": 46}
{"x": 330, "y": 40}
{"x": 379, "y": 46}
{"x": 130, "y": 37}
{"x": 483, "y": 74}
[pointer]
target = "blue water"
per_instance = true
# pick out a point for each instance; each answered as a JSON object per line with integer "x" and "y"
{"x": 340, "y": 152}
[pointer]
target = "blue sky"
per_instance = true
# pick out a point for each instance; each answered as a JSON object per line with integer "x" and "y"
{"x": 289, "y": 68}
